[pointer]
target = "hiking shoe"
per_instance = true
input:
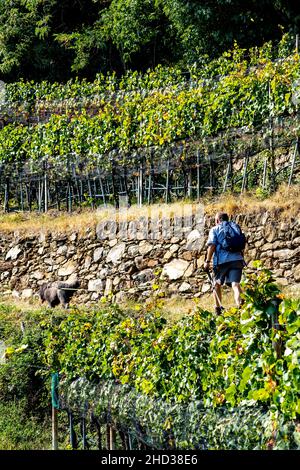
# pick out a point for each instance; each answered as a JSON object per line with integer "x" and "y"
{"x": 219, "y": 310}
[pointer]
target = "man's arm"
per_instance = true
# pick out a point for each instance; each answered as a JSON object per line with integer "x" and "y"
{"x": 211, "y": 247}
{"x": 210, "y": 251}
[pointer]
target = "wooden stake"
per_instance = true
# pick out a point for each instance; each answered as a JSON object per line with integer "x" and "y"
{"x": 6, "y": 195}
{"x": 40, "y": 194}
{"x": 190, "y": 183}
{"x": 107, "y": 437}
{"x": 115, "y": 195}
{"x": 244, "y": 182}
{"x": 140, "y": 186}
{"x": 57, "y": 196}
{"x": 112, "y": 438}
{"x": 21, "y": 195}
{"x": 198, "y": 175}
{"x": 264, "y": 181}
{"x": 102, "y": 188}
{"x": 150, "y": 187}
{"x": 45, "y": 191}
{"x": 95, "y": 191}
{"x": 69, "y": 190}
{"x": 271, "y": 143}
{"x": 293, "y": 161}
{"x": 168, "y": 182}
{"x": 84, "y": 441}
{"x": 128, "y": 195}
{"x": 28, "y": 194}
{"x": 226, "y": 177}
{"x": 54, "y": 429}
{"x": 81, "y": 189}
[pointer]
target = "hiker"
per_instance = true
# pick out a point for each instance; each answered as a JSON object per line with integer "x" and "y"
{"x": 226, "y": 243}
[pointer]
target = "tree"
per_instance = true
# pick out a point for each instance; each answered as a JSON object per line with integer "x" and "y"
{"x": 56, "y": 39}
{"x": 28, "y": 47}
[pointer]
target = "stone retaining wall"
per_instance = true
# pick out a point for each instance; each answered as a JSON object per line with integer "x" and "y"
{"x": 126, "y": 259}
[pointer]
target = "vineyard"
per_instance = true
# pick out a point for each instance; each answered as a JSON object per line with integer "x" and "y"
{"x": 162, "y": 135}
{"x": 128, "y": 379}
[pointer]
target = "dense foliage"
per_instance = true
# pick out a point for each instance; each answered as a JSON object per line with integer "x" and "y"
{"x": 222, "y": 360}
{"x": 88, "y": 121}
{"x": 244, "y": 358}
{"x": 54, "y": 38}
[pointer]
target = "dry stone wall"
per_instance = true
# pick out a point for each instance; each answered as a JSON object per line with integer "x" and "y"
{"x": 125, "y": 259}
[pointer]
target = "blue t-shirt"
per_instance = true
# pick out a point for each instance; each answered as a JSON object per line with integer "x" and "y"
{"x": 216, "y": 237}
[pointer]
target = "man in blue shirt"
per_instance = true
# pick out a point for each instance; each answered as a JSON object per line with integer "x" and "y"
{"x": 227, "y": 265}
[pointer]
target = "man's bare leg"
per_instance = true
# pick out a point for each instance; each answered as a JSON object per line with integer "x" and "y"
{"x": 237, "y": 293}
{"x": 218, "y": 295}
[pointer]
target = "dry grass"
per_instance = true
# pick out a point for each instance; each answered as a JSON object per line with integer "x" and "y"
{"x": 55, "y": 221}
{"x": 176, "y": 307}
{"x": 285, "y": 201}
{"x": 173, "y": 308}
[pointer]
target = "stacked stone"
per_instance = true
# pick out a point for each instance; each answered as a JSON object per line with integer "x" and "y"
{"x": 125, "y": 260}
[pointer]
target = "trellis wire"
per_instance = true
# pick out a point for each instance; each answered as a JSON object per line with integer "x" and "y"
{"x": 152, "y": 173}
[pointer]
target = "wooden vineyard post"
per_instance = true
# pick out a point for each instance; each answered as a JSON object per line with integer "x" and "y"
{"x": 140, "y": 186}
{"x": 184, "y": 179}
{"x": 54, "y": 429}
{"x": 21, "y": 194}
{"x": 190, "y": 184}
{"x": 271, "y": 143}
{"x": 150, "y": 180}
{"x": 198, "y": 175}
{"x": 115, "y": 194}
{"x": 101, "y": 188}
{"x": 79, "y": 190}
{"x": 6, "y": 195}
{"x": 127, "y": 193}
{"x": 95, "y": 191}
{"x": 73, "y": 439}
{"x": 167, "y": 197}
{"x": 69, "y": 192}
{"x": 112, "y": 438}
{"x": 264, "y": 180}
{"x": 84, "y": 441}
{"x": 55, "y": 405}
{"x": 211, "y": 173}
{"x": 57, "y": 196}
{"x": 129, "y": 441}
{"x": 244, "y": 182}
{"x": 40, "y": 194}
{"x": 107, "y": 437}
{"x": 226, "y": 177}
{"x": 106, "y": 183}
{"x": 293, "y": 162}
{"x": 45, "y": 189}
{"x": 28, "y": 194}
{"x": 149, "y": 187}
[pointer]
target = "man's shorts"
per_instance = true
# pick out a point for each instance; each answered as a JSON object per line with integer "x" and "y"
{"x": 229, "y": 272}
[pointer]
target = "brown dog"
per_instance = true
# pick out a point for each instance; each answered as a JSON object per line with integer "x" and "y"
{"x": 59, "y": 292}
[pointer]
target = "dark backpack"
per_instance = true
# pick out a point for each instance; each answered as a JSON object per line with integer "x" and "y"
{"x": 235, "y": 240}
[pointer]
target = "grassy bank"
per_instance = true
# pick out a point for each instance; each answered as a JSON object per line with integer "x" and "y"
{"x": 285, "y": 202}
{"x": 20, "y": 430}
